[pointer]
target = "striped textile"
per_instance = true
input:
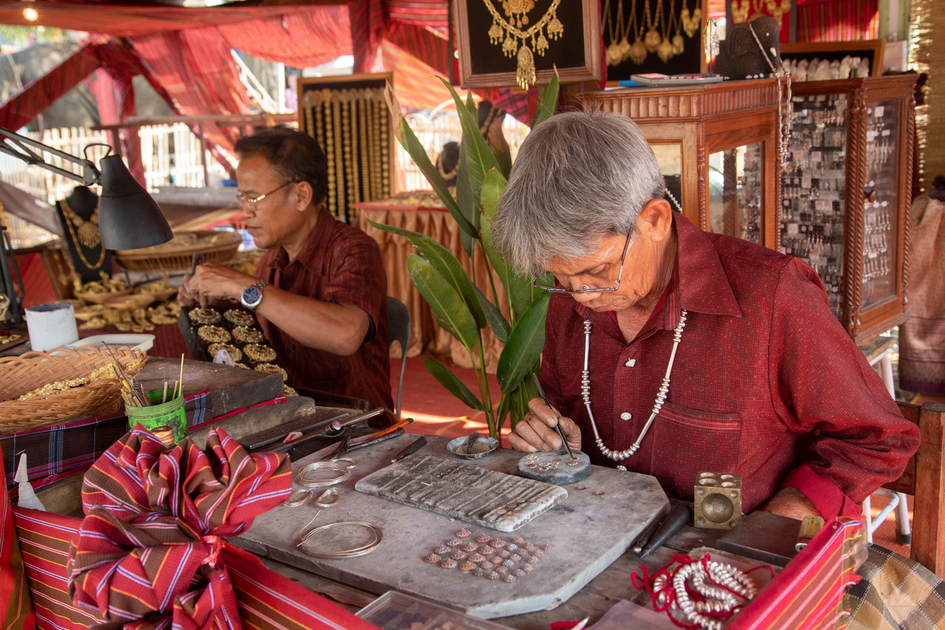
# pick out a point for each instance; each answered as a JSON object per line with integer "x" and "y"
{"x": 837, "y": 20}
{"x": 367, "y": 28}
{"x": 427, "y": 13}
{"x": 300, "y": 40}
{"x": 148, "y": 548}
{"x": 61, "y": 450}
{"x": 16, "y": 608}
{"x": 264, "y": 600}
{"x": 808, "y": 593}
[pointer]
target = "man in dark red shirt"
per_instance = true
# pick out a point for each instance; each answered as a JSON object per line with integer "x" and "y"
{"x": 670, "y": 351}
{"x": 320, "y": 291}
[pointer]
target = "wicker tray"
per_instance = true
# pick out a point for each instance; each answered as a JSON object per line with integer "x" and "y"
{"x": 177, "y": 254}
{"x": 32, "y": 370}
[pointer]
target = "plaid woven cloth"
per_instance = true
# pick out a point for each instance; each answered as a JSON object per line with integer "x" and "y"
{"x": 61, "y": 450}
{"x": 148, "y": 549}
{"x": 896, "y": 593}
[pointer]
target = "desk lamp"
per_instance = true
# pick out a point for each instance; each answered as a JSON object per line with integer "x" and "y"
{"x": 128, "y": 217}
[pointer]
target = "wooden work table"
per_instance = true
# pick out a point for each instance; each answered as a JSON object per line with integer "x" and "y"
{"x": 333, "y": 578}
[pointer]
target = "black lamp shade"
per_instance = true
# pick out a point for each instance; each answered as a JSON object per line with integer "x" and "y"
{"x": 128, "y": 217}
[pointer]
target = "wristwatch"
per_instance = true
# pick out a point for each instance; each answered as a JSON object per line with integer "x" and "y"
{"x": 253, "y": 295}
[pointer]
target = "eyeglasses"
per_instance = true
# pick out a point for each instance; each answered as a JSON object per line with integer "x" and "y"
{"x": 584, "y": 288}
{"x": 250, "y": 202}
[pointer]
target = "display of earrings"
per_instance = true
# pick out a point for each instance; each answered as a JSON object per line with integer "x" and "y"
{"x": 663, "y": 33}
{"x": 812, "y": 189}
{"x": 879, "y": 255}
{"x": 351, "y": 126}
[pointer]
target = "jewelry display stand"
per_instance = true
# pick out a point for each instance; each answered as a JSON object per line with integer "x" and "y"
{"x": 847, "y": 191}
{"x": 348, "y": 116}
{"x": 78, "y": 214}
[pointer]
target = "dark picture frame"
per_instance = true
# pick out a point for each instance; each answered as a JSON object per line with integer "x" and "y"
{"x": 576, "y": 54}
{"x": 873, "y": 49}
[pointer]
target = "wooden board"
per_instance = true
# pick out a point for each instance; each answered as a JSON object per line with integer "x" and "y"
{"x": 230, "y": 388}
{"x": 587, "y": 531}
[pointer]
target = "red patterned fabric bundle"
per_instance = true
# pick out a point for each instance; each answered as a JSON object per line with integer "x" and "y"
{"x": 148, "y": 550}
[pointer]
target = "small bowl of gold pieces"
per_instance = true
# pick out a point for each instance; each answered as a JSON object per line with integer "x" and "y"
{"x": 231, "y": 350}
{"x": 204, "y": 316}
{"x": 213, "y": 334}
{"x": 238, "y": 317}
{"x": 259, "y": 353}
{"x": 245, "y": 334}
{"x": 272, "y": 368}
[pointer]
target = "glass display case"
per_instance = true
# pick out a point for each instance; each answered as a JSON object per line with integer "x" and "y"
{"x": 846, "y": 194}
{"x": 840, "y": 203}
{"x": 717, "y": 147}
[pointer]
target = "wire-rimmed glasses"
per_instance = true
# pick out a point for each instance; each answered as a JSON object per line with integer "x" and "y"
{"x": 246, "y": 201}
{"x": 584, "y": 288}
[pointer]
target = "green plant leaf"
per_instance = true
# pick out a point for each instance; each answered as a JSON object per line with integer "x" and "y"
{"x": 497, "y": 322}
{"x": 524, "y": 345}
{"x": 477, "y": 157}
{"x": 446, "y": 264}
{"x": 468, "y": 205}
{"x": 547, "y": 101}
{"x": 455, "y": 386}
{"x": 503, "y": 160}
{"x": 419, "y": 155}
{"x": 449, "y": 308}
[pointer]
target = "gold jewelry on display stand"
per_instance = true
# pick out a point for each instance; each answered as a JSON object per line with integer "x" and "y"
{"x": 84, "y": 237}
{"x": 778, "y": 11}
{"x": 351, "y": 164}
{"x": 339, "y": 155}
{"x": 363, "y": 143}
{"x": 514, "y": 41}
{"x": 385, "y": 148}
{"x": 692, "y": 23}
{"x": 368, "y": 105}
{"x": 652, "y": 38}
{"x": 519, "y": 8}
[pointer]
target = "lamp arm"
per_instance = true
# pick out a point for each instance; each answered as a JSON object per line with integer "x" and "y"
{"x": 91, "y": 175}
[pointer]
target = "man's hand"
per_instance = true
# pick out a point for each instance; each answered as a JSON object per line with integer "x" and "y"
{"x": 213, "y": 282}
{"x": 535, "y": 432}
{"x": 792, "y": 503}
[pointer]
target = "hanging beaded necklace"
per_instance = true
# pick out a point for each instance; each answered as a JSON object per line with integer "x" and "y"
{"x": 88, "y": 233}
{"x": 657, "y": 404}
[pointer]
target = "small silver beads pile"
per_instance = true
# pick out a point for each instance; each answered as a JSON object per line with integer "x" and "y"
{"x": 488, "y": 557}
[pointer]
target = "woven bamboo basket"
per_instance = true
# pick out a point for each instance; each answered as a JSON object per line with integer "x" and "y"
{"x": 26, "y": 373}
{"x": 216, "y": 245}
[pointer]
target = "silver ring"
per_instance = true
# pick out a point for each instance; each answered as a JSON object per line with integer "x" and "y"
{"x": 311, "y": 475}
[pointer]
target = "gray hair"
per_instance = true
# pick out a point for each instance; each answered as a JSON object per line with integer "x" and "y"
{"x": 579, "y": 177}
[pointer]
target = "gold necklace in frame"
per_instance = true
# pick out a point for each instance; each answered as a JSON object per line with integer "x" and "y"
{"x": 652, "y": 39}
{"x": 516, "y": 11}
{"x": 515, "y": 41}
{"x": 691, "y": 23}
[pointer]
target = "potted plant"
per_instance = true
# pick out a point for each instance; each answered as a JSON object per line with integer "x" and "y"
{"x": 458, "y": 305}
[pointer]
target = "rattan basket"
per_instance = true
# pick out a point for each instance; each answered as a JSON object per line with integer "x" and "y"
{"x": 177, "y": 254}
{"x": 32, "y": 370}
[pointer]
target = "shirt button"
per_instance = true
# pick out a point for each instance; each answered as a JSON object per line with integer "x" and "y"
{"x": 630, "y": 362}
{"x": 626, "y": 415}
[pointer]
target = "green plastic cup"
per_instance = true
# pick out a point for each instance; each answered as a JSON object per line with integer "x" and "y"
{"x": 168, "y": 414}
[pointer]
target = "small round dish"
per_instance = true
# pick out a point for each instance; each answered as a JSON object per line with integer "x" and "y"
{"x": 458, "y": 447}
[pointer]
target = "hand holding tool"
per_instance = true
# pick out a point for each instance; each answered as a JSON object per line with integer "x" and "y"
{"x": 544, "y": 398}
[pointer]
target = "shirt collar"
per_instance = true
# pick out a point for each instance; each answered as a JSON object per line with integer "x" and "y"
{"x": 316, "y": 244}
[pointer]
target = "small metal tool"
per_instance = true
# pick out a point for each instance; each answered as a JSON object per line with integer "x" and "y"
{"x": 415, "y": 446}
{"x": 647, "y": 533}
{"x": 541, "y": 393}
{"x": 678, "y": 516}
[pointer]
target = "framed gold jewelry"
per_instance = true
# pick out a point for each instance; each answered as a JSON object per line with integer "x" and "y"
{"x": 663, "y": 36}
{"x": 349, "y": 118}
{"x": 503, "y": 43}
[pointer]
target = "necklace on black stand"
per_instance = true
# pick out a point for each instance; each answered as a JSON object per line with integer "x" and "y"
{"x": 88, "y": 234}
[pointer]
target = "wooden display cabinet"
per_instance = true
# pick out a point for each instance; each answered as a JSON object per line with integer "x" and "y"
{"x": 846, "y": 188}
{"x": 717, "y": 146}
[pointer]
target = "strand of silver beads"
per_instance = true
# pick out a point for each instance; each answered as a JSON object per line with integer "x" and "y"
{"x": 657, "y": 404}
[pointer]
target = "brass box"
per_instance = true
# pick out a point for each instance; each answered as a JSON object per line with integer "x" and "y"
{"x": 718, "y": 500}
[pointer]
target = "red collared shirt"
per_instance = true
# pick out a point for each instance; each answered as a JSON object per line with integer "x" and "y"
{"x": 766, "y": 382}
{"x": 338, "y": 264}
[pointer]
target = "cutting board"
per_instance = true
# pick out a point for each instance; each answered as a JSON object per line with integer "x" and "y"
{"x": 579, "y": 537}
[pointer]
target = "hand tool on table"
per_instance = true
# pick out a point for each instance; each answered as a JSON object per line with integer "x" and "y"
{"x": 320, "y": 420}
{"x": 335, "y": 429}
{"x": 640, "y": 543}
{"x": 544, "y": 398}
{"x": 350, "y": 444}
{"x": 197, "y": 260}
{"x": 678, "y": 516}
{"x": 414, "y": 446}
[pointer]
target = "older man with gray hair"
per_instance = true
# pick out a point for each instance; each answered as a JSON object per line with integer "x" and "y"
{"x": 670, "y": 351}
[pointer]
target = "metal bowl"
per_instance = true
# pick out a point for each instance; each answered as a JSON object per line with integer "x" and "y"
{"x": 460, "y": 442}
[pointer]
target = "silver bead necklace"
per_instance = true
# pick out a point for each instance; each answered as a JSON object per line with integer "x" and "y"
{"x": 657, "y": 404}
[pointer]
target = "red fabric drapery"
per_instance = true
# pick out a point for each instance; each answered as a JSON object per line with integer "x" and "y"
{"x": 837, "y": 20}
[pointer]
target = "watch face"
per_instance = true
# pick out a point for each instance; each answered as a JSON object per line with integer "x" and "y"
{"x": 251, "y": 295}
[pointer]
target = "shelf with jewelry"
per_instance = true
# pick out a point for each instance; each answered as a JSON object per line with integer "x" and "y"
{"x": 846, "y": 192}
{"x": 717, "y": 146}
